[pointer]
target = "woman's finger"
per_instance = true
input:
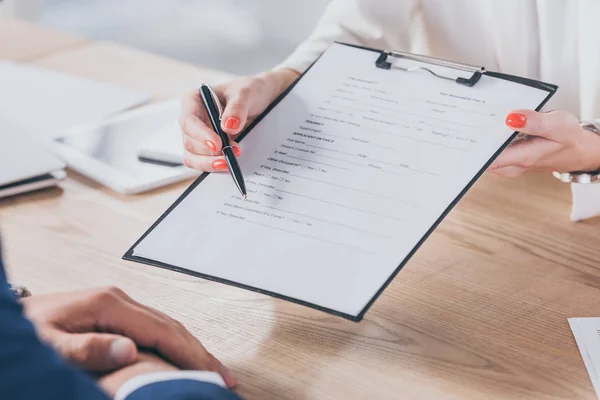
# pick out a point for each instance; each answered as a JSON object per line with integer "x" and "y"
{"x": 206, "y": 141}
{"x": 526, "y": 154}
{"x": 199, "y": 146}
{"x": 206, "y": 147}
{"x": 508, "y": 172}
{"x": 236, "y": 110}
{"x": 191, "y": 104}
{"x": 204, "y": 163}
{"x": 554, "y": 125}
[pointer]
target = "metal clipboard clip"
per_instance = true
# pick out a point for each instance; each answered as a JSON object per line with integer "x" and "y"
{"x": 383, "y": 63}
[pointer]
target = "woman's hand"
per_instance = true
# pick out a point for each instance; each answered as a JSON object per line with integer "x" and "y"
{"x": 555, "y": 142}
{"x": 243, "y": 100}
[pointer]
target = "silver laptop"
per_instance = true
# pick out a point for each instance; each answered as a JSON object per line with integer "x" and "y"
{"x": 25, "y": 165}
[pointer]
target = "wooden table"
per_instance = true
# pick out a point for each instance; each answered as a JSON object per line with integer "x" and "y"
{"x": 480, "y": 312}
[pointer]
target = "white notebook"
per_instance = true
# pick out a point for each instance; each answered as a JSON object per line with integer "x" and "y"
{"x": 347, "y": 174}
{"x": 47, "y": 103}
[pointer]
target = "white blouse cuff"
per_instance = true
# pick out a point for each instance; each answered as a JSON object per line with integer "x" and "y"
{"x": 299, "y": 61}
{"x": 586, "y": 200}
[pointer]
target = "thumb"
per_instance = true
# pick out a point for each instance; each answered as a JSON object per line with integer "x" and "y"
{"x": 236, "y": 110}
{"x": 216, "y": 366}
{"x": 96, "y": 351}
{"x": 551, "y": 125}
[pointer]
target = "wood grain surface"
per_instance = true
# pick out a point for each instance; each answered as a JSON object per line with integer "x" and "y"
{"x": 480, "y": 312}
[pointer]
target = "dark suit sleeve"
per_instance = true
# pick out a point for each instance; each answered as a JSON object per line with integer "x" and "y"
{"x": 29, "y": 370}
{"x": 182, "y": 389}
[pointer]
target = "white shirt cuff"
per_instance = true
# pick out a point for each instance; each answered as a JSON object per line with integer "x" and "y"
{"x": 146, "y": 379}
{"x": 586, "y": 200}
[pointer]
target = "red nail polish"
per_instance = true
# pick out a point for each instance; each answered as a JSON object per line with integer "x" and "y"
{"x": 212, "y": 147}
{"x": 232, "y": 123}
{"x": 515, "y": 120}
{"x": 236, "y": 151}
{"x": 220, "y": 165}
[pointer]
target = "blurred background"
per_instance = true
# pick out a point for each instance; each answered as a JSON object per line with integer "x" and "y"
{"x": 238, "y": 36}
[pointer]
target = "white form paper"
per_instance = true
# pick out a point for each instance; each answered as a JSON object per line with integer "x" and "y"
{"x": 345, "y": 176}
{"x": 587, "y": 335}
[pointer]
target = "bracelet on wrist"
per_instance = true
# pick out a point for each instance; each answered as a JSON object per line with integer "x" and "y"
{"x": 582, "y": 176}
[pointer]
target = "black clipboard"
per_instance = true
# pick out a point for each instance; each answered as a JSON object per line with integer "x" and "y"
{"x": 381, "y": 62}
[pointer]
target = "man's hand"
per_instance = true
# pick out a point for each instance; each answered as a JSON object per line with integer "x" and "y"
{"x": 100, "y": 330}
{"x": 144, "y": 364}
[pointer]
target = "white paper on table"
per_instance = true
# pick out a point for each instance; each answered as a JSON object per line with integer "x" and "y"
{"x": 346, "y": 175}
{"x": 587, "y": 335}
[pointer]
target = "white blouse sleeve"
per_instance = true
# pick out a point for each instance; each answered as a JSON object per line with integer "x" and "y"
{"x": 586, "y": 198}
{"x": 381, "y": 24}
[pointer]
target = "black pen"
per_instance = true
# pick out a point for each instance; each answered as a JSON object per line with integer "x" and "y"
{"x": 215, "y": 112}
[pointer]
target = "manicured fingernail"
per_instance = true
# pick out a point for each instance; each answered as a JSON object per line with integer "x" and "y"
{"x": 230, "y": 379}
{"x": 211, "y": 145}
{"x": 122, "y": 352}
{"x": 515, "y": 120}
{"x": 232, "y": 123}
{"x": 220, "y": 164}
{"x": 236, "y": 151}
